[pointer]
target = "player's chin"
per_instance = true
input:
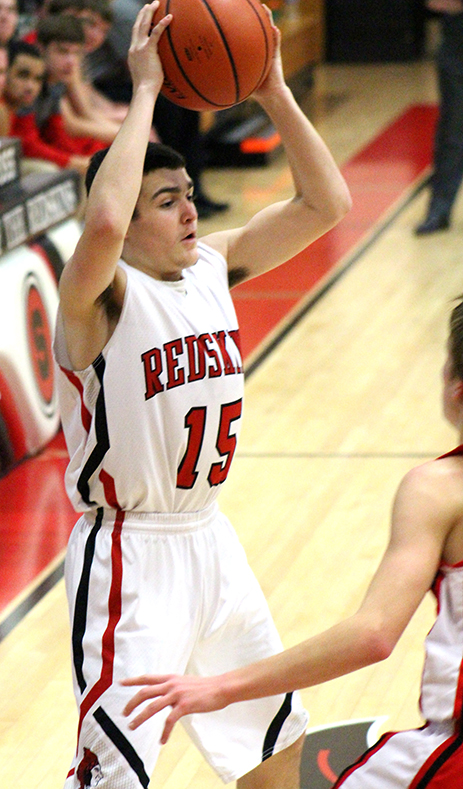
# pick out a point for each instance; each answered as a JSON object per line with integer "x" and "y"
{"x": 190, "y": 248}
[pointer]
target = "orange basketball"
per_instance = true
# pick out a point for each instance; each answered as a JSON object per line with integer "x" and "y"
{"x": 214, "y": 53}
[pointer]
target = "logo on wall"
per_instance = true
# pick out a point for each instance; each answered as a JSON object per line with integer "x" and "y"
{"x": 328, "y": 750}
{"x": 39, "y": 338}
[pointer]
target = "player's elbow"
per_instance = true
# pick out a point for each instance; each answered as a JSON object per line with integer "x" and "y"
{"x": 328, "y": 209}
{"x": 339, "y": 205}
{"x": 106, "y": 225}
{"x": 378, "y": 643}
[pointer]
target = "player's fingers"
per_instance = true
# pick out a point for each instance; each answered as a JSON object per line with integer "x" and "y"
{"x": 275, "y": 29}
{"x": 143, "y": 21}
{"x": 156, "y": 30}
{"x": 147, "y": 712}
{"x": 171, "y": 720}
{"x": 143, "y": 679}
{"x": 146, "y": 679}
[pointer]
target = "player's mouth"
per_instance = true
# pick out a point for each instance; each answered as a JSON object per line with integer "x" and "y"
{"x": 191, "y": 237}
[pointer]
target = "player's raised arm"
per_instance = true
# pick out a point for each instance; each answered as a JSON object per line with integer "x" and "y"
{"x": 111, "y": 203}
{"x": 321, "y": 197}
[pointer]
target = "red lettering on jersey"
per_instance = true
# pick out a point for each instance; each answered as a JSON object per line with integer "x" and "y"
{"x": 216, "y": 369}
{"x": 175, "y": 374}
{"x": 152, "y": 362}
{"x": 221, "y": 337}
{"x": 196, "y": 359}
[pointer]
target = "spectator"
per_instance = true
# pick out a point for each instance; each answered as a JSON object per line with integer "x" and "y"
{"x": 24, "y": 80}
{"x": 61, "y": 40}
{"x": 8, "y": 20}
{"x": 176, "y": 126}
{"x": 448, "y": 143}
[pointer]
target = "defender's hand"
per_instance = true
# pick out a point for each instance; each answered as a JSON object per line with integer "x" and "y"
{"x": 185, "y": 694}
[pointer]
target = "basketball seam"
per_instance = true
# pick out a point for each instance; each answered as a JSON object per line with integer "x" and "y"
{"x": 225, "y": 43}
{"x": 253, "y": 8}
{"x": 232, "y": 63}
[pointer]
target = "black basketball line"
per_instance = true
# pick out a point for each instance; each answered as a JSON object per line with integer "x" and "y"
{"x": 225, "y": 43}
{"x": 232, "y": 64}
{"x": 254, "y": 9}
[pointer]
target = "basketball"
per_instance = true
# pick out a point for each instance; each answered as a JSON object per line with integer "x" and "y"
{"x": 214, "y": 53}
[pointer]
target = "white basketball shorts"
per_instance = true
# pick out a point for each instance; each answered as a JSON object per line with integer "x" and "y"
{"x": 166, "y": 594}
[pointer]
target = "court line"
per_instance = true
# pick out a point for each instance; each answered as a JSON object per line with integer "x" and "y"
{"x": 37, "y": 593}
{"x": 336, "y": 455}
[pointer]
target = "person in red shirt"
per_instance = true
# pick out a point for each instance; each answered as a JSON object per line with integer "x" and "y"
{"x": 64, "y": 114}
{"x": 24, "y": 80}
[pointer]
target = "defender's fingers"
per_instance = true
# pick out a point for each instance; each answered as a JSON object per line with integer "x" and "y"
{"x": 147, "y": 712}
{"x": 171, "y": 720}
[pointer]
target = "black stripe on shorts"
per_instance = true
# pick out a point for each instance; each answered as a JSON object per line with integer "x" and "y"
{"x": 275, "y": 727}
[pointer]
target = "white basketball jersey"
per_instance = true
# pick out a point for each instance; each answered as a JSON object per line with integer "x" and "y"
{"x": 152, "y": 424}
{"x": 442, "y": 681}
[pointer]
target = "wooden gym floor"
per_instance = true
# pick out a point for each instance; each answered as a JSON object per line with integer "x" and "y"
{"x": 342, "y": 397}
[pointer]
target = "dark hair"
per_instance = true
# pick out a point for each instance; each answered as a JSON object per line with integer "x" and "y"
{"x": 157, "y": 156}
{"x": 16, "y": 48}
{"x": 62, "y": 27}
{"x": 456, "y": 339}
{"x": 100, "y": 7}
{"x": 61, "y": 6}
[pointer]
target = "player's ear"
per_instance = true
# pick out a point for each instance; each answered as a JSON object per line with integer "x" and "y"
{"x": 457, "y": 390}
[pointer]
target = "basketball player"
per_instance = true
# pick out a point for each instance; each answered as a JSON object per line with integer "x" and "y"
{"x": 151, "y": 388}
{"x": 425, "y": 552}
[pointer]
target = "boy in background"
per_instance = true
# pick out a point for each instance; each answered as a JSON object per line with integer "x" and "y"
{"x": 61, "y": 39}
{"x": 24, "y": 81}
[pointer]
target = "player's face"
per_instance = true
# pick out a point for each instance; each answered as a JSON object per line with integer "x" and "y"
{"x": 24, "y": 80}
{"x": 161, "y": 239}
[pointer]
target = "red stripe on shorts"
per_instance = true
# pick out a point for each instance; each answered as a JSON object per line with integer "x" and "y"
{"x": 115, "y": 609}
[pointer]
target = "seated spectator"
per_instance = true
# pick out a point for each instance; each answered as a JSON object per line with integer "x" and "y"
{"x": 8, "y": 20}
{"x": 3, "y": 70}
{"x": 61, "y": 41}
{"x": 24, "y": 80}
{"x": 96, "y": 16}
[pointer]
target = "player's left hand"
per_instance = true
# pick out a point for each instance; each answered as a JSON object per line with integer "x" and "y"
{"x": 185, "y": 694}
{"x": 275, "y": 77}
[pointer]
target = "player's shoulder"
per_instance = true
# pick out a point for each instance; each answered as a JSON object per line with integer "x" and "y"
{"x": 441, "y": 477}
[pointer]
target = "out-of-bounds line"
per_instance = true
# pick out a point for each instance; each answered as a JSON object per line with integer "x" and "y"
{"x": 22, "y": 609}
{"x": 338, "y": 273}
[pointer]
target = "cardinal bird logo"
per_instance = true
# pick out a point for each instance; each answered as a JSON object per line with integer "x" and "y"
{"x": 89, "y": 772}
{"x": 328, "y": 750}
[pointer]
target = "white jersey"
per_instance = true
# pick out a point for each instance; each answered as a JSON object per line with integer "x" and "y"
{"x": 152, "y": 424}
{"x": 442, "y": 682}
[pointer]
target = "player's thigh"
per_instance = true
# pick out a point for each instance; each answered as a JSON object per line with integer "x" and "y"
{"x": 239, "y": 629}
